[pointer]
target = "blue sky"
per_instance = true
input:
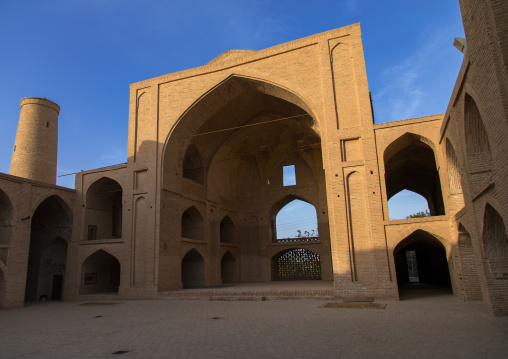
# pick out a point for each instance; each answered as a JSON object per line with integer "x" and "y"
{"x": 83, "y": 55}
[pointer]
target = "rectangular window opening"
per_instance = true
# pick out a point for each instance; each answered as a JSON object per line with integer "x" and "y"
{"x": 288, "y": 176}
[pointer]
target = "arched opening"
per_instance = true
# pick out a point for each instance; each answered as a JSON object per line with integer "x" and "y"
{"x": 100, "y": 273}
{"x": 2, "y": 289}
{"x": 193, "y": 167}
{"x": 296, "y": 221}
{"x": 235, "y": 110}
{"x": 495, "y": 242}
{"x": 193, "y": 270}
{"x": 5, "y": 218}
{"x": 410, "y": 164}
{"x": 104, "y": 209}
{"x": 246, "y": 132}
{"x": 296, "y": 264}
{"x": 477, "y": 140}
{"x": 49, "y": 235}
{"x": 408, "y": 204}
{"x": 52, "y": 269}
{"x": 228, "y": 268}
{"x": 227, "y": 230}
{"x": 421, "y": 265}
{"x": 192, "y": 224}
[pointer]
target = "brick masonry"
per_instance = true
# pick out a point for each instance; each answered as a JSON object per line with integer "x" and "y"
{"x": 206, "y": 149}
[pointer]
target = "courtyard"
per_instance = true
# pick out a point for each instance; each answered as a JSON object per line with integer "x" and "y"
{"x": 433, "y": 325}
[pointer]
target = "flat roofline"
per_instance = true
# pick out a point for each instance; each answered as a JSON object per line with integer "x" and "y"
{"x": 409, "y": 121}
{"x": 13, "y": 178}
{"x": 255, "y": 55}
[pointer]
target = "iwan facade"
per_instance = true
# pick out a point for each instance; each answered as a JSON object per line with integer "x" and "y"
{"x": 196, "y": 203}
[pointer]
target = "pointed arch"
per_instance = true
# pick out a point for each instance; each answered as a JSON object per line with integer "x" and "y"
{"x": 227, "y": 230}
{"x": 232, "y": 88}
{"x": 104, "y": 209}
{"x": 429, "y": 259}
{"x": 100, "y": 273}
{"x": 50, "y": 232}
{"x": 193, "y": 270}
{"x": 477, "y": 140}
{"x": 495, "y": 240}
{"x": 278, "y": 227}
{"x": 6, "y": 211}
{"x": 467, "y": 271}
{"x": 192, "y": 225}
{"x": 410, "y": 164}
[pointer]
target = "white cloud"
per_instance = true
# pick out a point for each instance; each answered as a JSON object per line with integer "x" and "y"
{"x": 415, "y": 86}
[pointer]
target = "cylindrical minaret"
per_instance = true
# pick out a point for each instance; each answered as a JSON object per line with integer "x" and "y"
{"x": 35, "y": 149}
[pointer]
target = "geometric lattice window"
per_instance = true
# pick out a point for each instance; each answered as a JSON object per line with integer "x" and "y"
{"x": 297, "y": 264}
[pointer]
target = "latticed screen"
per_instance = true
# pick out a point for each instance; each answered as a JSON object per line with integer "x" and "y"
{"x": 298, "y": 264}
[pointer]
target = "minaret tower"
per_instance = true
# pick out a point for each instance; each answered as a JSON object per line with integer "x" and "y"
{"x": 35, "y": 149}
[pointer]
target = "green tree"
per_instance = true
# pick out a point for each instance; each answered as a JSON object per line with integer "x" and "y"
{"x": 419, "y": 214}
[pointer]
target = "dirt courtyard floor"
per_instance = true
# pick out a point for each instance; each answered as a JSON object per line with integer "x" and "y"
{"x": 433, "y": 326}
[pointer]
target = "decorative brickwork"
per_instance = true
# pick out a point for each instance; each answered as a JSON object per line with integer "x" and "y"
{"x": 196, "y": 203}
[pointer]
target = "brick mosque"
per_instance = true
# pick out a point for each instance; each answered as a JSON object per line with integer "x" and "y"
{"x": 196, "y": 203}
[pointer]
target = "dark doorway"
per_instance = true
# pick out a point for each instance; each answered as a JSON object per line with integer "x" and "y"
{"x": 50, "y": 231}
{"x": 193, "y": 270}
{"x": 421, "y": 266}
{"x": 56, "y": 291}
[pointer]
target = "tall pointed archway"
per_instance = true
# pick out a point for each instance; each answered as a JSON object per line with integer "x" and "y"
{"x": 241, "y": 136}
{"x": 50, "y": 232}
{"x": 421, "y": 265}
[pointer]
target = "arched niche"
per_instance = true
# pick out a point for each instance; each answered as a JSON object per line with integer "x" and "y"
{"x": 193, "y": 166}
{"x": 410, "y": 164}
{"x": 477, "y": 140}
{"x": 227, "y": 230}
{"x": 421, "y": 261}
{"x": 51, "y": 227}
{"x": 193, "y": 270}
{"x": 468, "y": 273}
{"x": 228, "y": 268}
{"x": 100, "y": 273}
{"x": 495, "y": 241}
{"x": 5, "y": 218}
{"x": 192, "y": 226}
{"x": 296, "y": 264}
{"x": 104, "y": 209}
